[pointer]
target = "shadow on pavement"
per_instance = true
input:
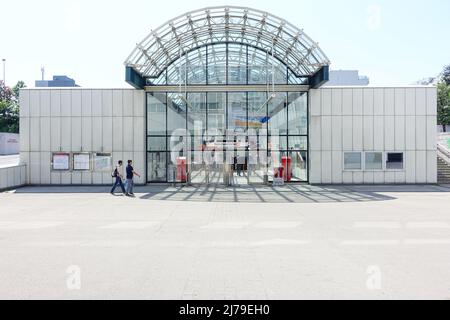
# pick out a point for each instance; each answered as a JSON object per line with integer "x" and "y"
{"x": 252, "y": 194}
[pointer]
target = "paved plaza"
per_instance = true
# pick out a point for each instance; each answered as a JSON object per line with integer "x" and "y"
{"x": 292, "y": 242}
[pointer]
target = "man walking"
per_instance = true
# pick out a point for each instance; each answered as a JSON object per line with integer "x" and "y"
{"x": 130, "y": 174}
{"x": 118, "y": 175}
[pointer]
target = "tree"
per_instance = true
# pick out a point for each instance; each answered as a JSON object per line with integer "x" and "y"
{"x": 443, "y": 104}
{"x": 446, "y": 75}
{"x": 9, "y": 107}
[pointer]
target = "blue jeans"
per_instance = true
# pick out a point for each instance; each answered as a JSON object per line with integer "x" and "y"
{"x": 117, "y": 183}
{"x": 129, "y": 185}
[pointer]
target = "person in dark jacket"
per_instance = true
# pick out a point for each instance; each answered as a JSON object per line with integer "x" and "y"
{"x": 130, "y": 174}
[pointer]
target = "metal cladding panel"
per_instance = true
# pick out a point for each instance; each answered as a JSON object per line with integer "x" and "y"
{"x": 86, "y": 103}
{"x": 410, "y": 133}
{"x": 347, "y": 133}
{"x": 117, "y": 103}
{"x": 66, "y": 103}
{"x": 139, "y": 134}
{"x": 421, "y": 132}
{"x": 315, "y": 138}
{"x": 326, "y": 132}
{"x": 24, "y": 101}
{"x": 45, "y": 168}
{"x": 378, "y": 102}
{"x": 400, "y": 177}
{"x": 357, "y": 102}
{"x": 107, "y": 103}
{"x": 336, "y": 129}
{"x": 24, "y": 130}
{"x": 431, "y": 132}
{"x": 117, "y": 134}
{"x": 357, "y": 133}
{"x": 358, "y": 177}
{"x": 97, "y": 103}
{"x": 421, "y": 102}
{"x": 315, "y": 167}
{"x": 389, "y": 102}
{"x": 66, "y": 131}
{"x": 76, "y": 103}
{"x": 45, "y": 134}
{"x": 368, "y": 97}
{"x": 326, "y": 102}
{"x": 337, "y": 167}
{"x": 34, "y": 164}
{"x": 86, "y": 178}
{"x": 45, "y": 103}
{"x": 326, "y": 167}
{"x": 400, "y": 102}
{"x": 347, "y": 177}
{"x": 34, "y": 134}
{"x": 378, "y": 137}
{"x": 410, "y": 102}
{"x": 368, "y": 133}
{"x": 368, "y": 177}
{"x": 86, "y": 134}
{"x": 76, "y": 177}
{"x": 432, "y": 101}
{"x": 128, "y": 134}
{"x": 410, "y": 166}
{"x": 66, "y": 178}
{"x": 55, "y": 134}
{"x": 378, "y": 177}
{"x": 431, "y": 167}
{"x": 399, "y": 133}
{"x": 55, "y": 178}
{"x": 35, "y": 101}
{"x": 389, "y": 177}
{"x": 76, "y": 130}
{"x": 336, "y": 102}
{"x": 315, "y": 102}
{"x": 128, "y": 104}
{"x": 347, "y": 102}
{"x": 107, "y": 133}
{"x": 139, "y": 167}
{"x": 97, "y": 141}
{"x": 389, "y": 133}
{"x": 139, "y": 103}
{"x": 55, "y": 102}
{"x": 421, "y": 166}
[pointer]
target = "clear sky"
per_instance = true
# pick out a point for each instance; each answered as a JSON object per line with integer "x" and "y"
{"x": 391, "y": 41}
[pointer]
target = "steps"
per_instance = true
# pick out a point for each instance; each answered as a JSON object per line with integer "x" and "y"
{"x": 443, "y": 171}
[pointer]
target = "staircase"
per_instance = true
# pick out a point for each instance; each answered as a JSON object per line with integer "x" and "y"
{"x": 443, "y": 171}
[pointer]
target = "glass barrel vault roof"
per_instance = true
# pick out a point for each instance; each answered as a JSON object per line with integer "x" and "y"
{"x": 218, "y": 25}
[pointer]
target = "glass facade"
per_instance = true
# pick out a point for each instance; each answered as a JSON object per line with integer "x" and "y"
{"x": 203, "y": 126}
{"x": 220, "y": 136}
{"x": 232, "y": 64}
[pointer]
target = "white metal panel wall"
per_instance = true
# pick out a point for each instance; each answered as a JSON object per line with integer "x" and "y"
{"x": 74, "y": 120}
{"x": 373, "y": 119}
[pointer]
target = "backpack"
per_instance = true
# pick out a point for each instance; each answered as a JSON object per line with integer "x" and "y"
{"x": 114, "y": 174}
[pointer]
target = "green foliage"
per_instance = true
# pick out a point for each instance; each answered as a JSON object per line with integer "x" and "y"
{"x": 446, "y": 75}
{"x": 443, "y": 103}
{"x": 9, "y": 107}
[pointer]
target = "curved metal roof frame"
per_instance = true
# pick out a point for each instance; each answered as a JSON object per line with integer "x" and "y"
{"x": 228, "y": 24}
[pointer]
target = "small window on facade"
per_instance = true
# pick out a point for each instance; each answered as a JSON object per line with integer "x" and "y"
{"x": 352, "y": 160}
{"x": 374, "y": 161}
{"x": 394, "y": 160}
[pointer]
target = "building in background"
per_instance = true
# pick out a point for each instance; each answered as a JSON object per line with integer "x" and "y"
{"x": 57, "y": 82}
{"x": 347, "y": 78}
{"x": 222, "y": 87}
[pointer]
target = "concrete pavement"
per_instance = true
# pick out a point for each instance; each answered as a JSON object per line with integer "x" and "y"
{"x": 300, "y": 242}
